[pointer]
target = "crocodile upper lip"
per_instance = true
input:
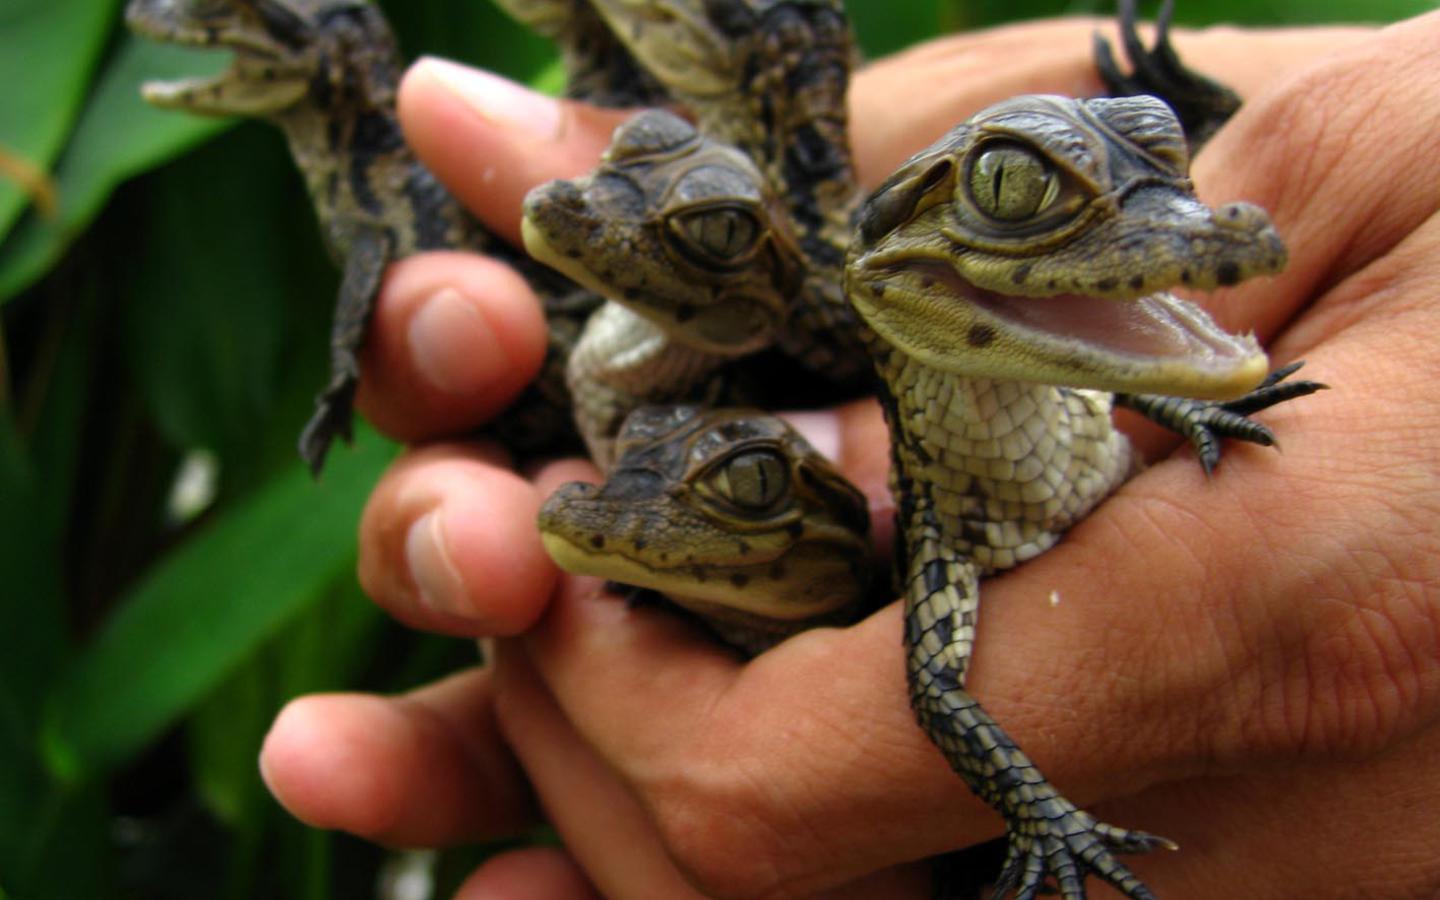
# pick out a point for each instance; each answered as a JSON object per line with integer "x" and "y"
{"x": 1155, "y": 326}
{"x": 202, "y": 36}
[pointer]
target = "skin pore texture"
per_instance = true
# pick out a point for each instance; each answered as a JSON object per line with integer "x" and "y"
{"x": 1268, "y": 680}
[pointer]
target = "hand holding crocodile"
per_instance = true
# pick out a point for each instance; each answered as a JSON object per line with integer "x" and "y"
{"x": 1205, "y": 659}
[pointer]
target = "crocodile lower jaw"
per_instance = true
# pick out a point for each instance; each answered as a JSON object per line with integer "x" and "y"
{"x": 1157, "y": 343}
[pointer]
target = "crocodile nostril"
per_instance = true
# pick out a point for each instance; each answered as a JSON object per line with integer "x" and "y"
{"x": 1246, "y": 217}
{"x": 551, "y": 196}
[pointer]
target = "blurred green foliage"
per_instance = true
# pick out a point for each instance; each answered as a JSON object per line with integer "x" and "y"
{"x": 167, "y": 321}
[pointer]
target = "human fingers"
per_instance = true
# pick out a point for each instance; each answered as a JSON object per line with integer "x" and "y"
{"x": 613, "y": 833}
{"x": 424, "y": 769}
{"x": 448, "y": 543}
{"x": 965, "y": 72}
{"x": 531, "y": 873}
{"x": 735, "y": 762}
{"x": 1317, "y": 634}
{"x": 1309, "y": 148}
{"x": 490, "y": 140}
{"x": 1230, "y": 568}
{"x": 455, "y": 338}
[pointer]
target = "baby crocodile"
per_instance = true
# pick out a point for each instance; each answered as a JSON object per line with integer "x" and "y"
{"x": 1013, "y": 273}
{"x": 769, "y": 77}
{"x": 325, "y": 72}
{"x": 730, "y": 514}
{"x": 598, "y": 67}
{"x": 685, "y": 236}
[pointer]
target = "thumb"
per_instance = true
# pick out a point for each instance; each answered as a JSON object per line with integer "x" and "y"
{"x": 491, "y": 140}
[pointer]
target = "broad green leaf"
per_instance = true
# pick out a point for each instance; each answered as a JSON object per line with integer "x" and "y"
{"x": 31, "y": 646}
{"x": 887, "y": 26}
{"x": 48, "y": 50}
{"x": 31, "y": 606}
{"x": 1299, "y": 12}
{"x": 230, "y": 292}
{"x": 118, "y": 136}
{"x": 61, "y": 844}
{"x": 206, "y": 607}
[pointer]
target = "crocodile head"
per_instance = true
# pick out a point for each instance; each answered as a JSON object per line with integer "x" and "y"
{"x": 1039, "y": 240}
{"x": 285, "y": 52}
{"x": 718, "y": 510}
{"x": 678, "y": 228}
{"x": 702, "y": 48}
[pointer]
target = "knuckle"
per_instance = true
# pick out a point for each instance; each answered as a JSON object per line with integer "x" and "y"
{"x": 714, "y": 823}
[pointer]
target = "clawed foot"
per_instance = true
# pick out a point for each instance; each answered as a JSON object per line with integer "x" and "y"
{"x": 1063, "y": 844}
{"x": 1202, "y": 105}
{"x": 333, "y": 418}
{"x": 1204, "y": 423}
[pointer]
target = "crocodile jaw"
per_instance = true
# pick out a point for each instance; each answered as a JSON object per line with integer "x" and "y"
{"x": 226, "y": 94}
{"x": 263, "y": 79}
{"x": 1158, "y": 343}
{"x": 682, "y": 585}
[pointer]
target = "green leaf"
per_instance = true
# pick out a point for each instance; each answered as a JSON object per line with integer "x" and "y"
{"x": 118, "y": 136}
{"x": 205, "y": 608}
{"x": 48, "y": 49}
{"x": 57, "y": 845}
{"x": 884, "y": 26}
{"x": 229, "y": 284}
{"x": 31, "y": 623}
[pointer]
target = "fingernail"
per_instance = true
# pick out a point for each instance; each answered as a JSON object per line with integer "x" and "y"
{"x": 821, "y": 429}
{"x": 497, "y": 99}
{"x": 452, "y": 346}
{"x": 439, "y": 582}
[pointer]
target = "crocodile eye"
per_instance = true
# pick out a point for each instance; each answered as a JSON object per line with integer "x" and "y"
{"x": 1012, "y": 183}
{"x": 721, "y": 235}
{"x": 752, "y": 480}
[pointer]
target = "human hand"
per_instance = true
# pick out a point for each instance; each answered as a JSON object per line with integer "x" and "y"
{"x": 1228, "y": 678}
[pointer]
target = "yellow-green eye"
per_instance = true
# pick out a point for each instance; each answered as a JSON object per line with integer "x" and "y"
{"x": 752, "y": 480}
{"x": 1012, "y": 183}
{"x": 720, "y": 234}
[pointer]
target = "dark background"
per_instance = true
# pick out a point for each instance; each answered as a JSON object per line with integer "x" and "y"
{"x": 169, "y": 575}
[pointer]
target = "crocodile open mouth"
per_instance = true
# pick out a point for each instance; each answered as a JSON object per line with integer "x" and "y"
{"x": 259, "y": 79}
{"x": 1156, "y": 326}
{"x": 1156, "y": 343}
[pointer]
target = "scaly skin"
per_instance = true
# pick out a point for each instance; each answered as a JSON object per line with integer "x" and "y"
{"x": 687, "y": 241}
{"x": 703, "y": 504}
{"x": 325, "y": 72}
{"x": 598, "y": 67}
{"x": 1009, "y": 275}
{"x": 769, "y": 77}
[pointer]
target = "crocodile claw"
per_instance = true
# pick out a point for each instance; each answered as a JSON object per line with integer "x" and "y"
{"x": 1204, "y": 423}
{"x": 333, "y": 417}
{"x": 1201, "y": 104}
{"x": 1064, "y": 845}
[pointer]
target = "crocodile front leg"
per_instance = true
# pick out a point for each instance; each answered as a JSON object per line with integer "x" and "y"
{"x": 1205, "y": 422}
{"x": 370, "y": 252}
{"x": 1049, "y": 837}
{"x": 1202, "y": 105}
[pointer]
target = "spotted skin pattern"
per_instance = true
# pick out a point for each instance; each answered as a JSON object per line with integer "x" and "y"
{"x": 1001, "y": 433}
{"x": 992, "y": 474}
